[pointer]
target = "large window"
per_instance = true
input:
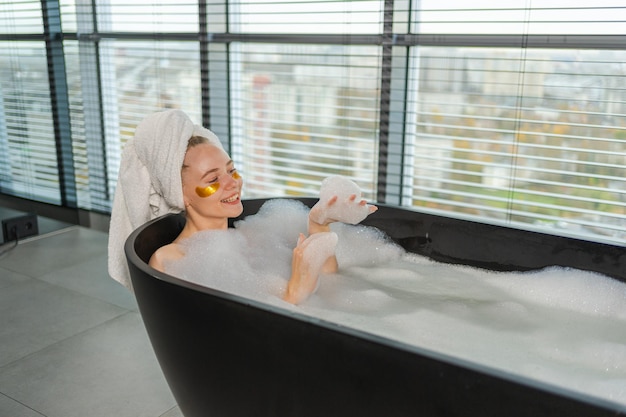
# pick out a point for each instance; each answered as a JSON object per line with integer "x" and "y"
{"x": 531, "y": 139}
{"x": 502, "y": 112}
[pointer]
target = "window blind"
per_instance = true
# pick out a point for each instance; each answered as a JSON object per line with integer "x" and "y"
{"x": 142, "y": 77}
{"x": 522, "y": 17}
{"x": 533, "y": 138}
{"x": 88, "y": 145}
{"x": 154, "y": 16}
{"x": 123, "y": 78}
{"x": 27, "y": 142}
{"x": 305, "y": 16}
{"x": 20, "y": 17}
{"x": 28, "y": 162}
{"x": 72, "y": 14}
{"x": 305, "y": 112}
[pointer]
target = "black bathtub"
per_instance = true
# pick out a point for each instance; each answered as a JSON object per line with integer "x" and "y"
{"x": 227, "y": 356}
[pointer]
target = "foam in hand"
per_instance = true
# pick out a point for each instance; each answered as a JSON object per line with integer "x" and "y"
{"x": 345, "y": 209}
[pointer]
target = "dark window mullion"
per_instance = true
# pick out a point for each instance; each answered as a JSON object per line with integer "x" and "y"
{"x": 204, "y": 63}
{"x": 60, "y": 101}
{"x": 385, "y": 99}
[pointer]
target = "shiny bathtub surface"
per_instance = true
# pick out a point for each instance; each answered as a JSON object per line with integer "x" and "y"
{"x": 224, "y": 355}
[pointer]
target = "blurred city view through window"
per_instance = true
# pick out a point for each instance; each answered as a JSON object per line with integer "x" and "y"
{"x": 538, "y": 140}
{"x": 307, "y": 111}
{"x": 533, "y": 137}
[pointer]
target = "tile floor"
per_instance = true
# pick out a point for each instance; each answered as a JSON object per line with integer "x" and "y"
{"x": 72, "y": 342}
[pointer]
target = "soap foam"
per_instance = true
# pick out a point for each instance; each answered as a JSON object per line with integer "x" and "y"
{"x": 345, "y": 209}
{"x": 557, "y": 325}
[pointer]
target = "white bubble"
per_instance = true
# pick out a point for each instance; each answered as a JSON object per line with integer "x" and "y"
{"x": 569, "y": 289}
{"x": 363, "y": 246}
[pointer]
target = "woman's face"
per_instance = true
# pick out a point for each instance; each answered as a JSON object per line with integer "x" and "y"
{"x": 211, "y": 185}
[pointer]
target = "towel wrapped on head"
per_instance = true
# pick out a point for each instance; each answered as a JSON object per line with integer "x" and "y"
{"x": 149, "y": 183}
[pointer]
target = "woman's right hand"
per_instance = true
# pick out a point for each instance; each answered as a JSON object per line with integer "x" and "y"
{"x": 309, "y": 259}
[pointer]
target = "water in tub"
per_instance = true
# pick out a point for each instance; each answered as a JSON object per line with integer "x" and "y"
{"x": 561, "y": 326}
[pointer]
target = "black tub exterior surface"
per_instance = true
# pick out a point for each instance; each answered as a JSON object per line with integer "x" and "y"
{"x": 227, "y": 356}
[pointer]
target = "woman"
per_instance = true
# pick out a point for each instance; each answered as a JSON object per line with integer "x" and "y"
{"x": 210, "y": 194}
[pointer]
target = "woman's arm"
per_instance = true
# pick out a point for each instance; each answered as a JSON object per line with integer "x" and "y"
{"x": 304, "y": 272}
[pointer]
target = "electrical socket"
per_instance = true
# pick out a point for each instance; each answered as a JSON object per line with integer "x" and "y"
{"x": 19, "y": 227}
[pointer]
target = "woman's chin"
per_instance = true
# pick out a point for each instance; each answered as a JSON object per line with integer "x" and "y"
{"x": 235, "y": 208}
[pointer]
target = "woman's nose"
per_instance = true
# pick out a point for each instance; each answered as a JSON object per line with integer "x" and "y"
{"x": 229, "y": 181}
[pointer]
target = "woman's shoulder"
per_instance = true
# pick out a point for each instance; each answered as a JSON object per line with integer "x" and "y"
{"x": 165, "y": 254}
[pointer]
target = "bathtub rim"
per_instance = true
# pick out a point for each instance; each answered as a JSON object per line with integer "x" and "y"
{"x": 139, "y": 263}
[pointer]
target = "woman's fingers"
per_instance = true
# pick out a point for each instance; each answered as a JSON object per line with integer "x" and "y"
{"x": 332, "y": 200}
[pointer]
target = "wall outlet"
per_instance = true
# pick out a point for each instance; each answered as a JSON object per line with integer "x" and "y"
{"x": 19, "y": 227}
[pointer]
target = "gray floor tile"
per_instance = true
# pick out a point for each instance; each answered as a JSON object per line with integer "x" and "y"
{"x": 11, "y": 408}
{"x": 11, "y": 278}
{"x": 40, "y": 256}
{"x": 71, "y": 340}
{"x": 174, "y": 412}
{"x": 91, "y": 278}
{"x": 107, "y": 371}
{"x": 36, "y": 314}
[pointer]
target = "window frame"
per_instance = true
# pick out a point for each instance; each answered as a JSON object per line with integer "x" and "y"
{"x": 399, "y": 41}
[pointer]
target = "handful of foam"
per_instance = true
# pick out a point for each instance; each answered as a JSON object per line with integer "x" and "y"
{"x": 346, "y": 209}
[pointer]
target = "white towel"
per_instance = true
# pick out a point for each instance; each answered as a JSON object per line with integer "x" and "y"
{"x": 149, "y": 183}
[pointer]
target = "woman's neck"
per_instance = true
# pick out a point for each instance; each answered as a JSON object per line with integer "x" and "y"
{"x": 195, "y": 224}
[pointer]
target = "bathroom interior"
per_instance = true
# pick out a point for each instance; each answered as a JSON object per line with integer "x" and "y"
{"x": 492, "y": 138}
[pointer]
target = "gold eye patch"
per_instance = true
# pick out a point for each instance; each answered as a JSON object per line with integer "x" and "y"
{"x": 208, "y": 190}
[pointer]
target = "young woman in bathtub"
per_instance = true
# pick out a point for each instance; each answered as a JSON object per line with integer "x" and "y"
{"x": 211, "y": 189}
